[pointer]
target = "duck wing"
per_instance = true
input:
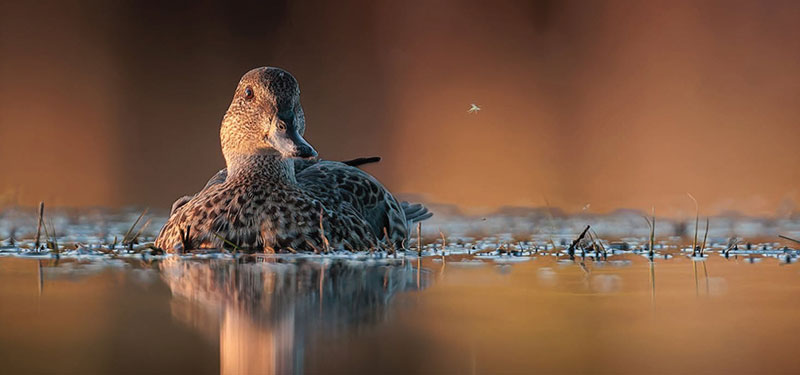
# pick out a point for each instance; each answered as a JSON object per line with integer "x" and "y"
{"x": 357, "y": 162}
{"x": 301, "y": 164}
{"x": 337, "y": 184}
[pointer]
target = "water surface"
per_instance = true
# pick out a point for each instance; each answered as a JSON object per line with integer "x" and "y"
{"x": 460, "y": 314}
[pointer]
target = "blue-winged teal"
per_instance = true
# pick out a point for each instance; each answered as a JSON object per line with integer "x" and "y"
{"x": 275, "y": 194}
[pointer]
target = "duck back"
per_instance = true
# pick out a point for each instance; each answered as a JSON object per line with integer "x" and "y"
{"x": 336, "y": 183}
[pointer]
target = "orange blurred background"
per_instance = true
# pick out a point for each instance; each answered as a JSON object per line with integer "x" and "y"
{"x": 612, "y": 104}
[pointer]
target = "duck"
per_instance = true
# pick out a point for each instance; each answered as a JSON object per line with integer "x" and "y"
{"x": 275, "y": 194}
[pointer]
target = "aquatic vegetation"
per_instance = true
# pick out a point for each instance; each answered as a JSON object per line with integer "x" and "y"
{"x": 99, "y": 233}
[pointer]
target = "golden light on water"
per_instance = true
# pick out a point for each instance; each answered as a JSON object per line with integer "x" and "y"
{"x": 626, "y": 315}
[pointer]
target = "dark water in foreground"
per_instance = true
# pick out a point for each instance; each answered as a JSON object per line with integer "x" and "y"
{"x": 312, "y": 315}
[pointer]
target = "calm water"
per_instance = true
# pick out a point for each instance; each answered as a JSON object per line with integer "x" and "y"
{"x": 460, "y": 315}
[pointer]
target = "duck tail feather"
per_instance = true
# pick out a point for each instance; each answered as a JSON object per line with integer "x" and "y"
{"x": 415, "y": 212}
{"x": 361, "y": 161}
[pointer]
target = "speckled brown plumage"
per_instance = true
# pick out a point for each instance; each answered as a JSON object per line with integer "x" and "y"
{"x": 264, "y": 209}
{"x": 266, "y": 199}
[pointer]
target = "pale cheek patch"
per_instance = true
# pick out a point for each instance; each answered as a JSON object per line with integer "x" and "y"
{"x": 283, "y": 144}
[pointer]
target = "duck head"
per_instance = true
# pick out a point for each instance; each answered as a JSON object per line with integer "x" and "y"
{"x": 265, "y": 117}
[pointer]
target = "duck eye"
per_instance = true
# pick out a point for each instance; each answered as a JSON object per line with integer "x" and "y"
{"x": 281, "y": 126}
{"x": 248, "y": 93}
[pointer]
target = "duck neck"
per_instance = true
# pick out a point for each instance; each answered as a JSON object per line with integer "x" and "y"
{"x": 269, "y": 165}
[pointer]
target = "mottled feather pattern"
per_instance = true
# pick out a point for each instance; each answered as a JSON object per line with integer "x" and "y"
{"x": 348, "y": 190}
{"x": 333, "y": 182}
{"x": 257, "y": 211}
{"x": 267, "y": 199}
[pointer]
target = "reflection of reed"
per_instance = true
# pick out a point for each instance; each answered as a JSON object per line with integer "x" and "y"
{"x": 40, "y": 277}
{"x": 653, "y": 284}
{"x": 696, "y": 285}
{"x": 266, "y": 310}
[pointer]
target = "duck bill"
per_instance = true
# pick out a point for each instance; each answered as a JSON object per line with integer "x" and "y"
{"x": 301, "y": 148}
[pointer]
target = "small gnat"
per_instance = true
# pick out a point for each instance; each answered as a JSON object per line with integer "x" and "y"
{"x": 473, "y": 108}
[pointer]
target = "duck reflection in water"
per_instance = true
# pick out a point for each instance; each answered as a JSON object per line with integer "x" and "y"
{"x": 266, "y": 310}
